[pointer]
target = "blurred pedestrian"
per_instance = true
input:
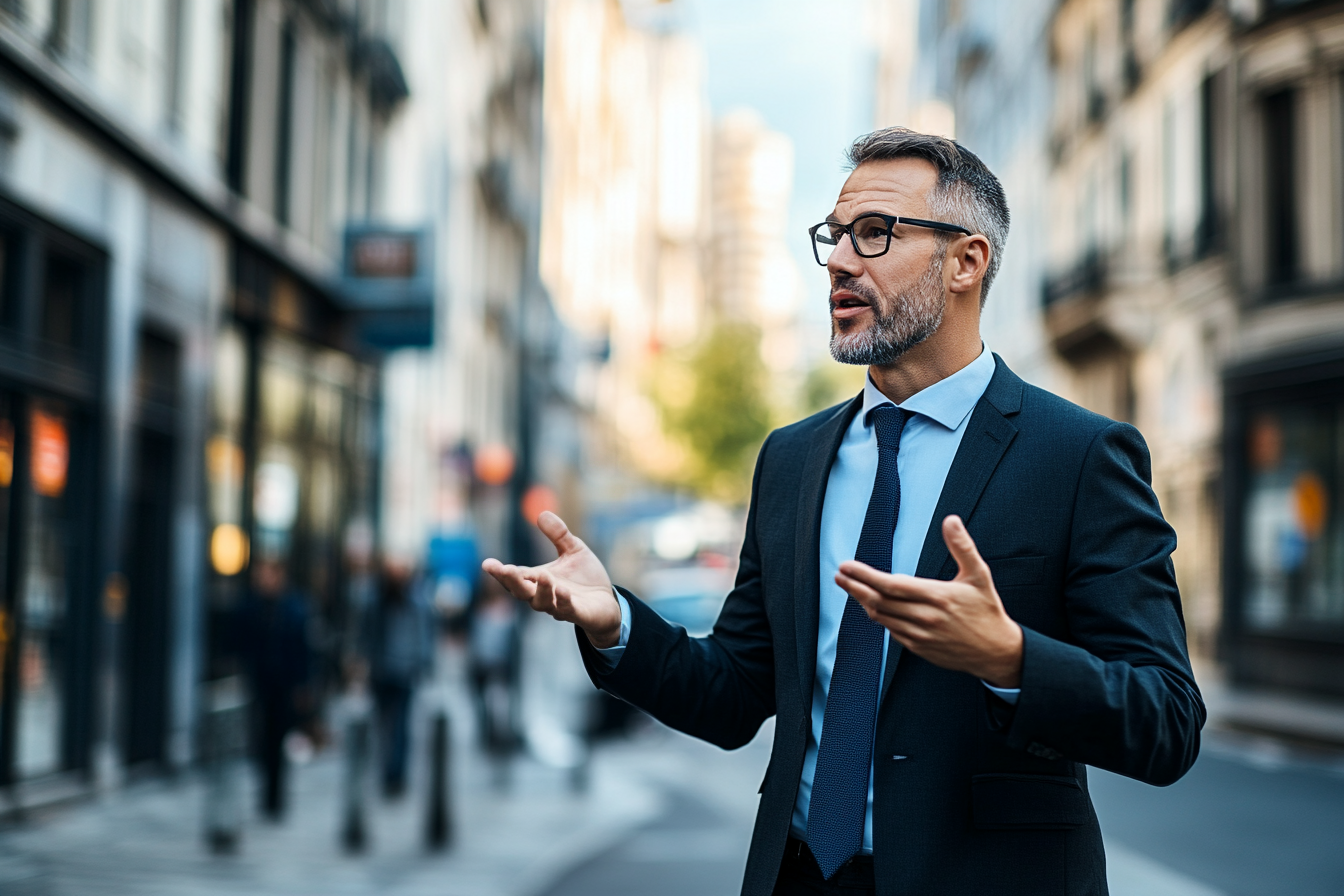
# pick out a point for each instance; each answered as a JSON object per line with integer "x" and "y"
{"x": 493, "y": 640}
{"x": 399, "y": 644}
{"x": 273, "y": 625}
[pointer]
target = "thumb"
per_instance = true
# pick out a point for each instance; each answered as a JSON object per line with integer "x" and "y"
{"x": 555, "y": 529}
{"x": 971, "y": 566}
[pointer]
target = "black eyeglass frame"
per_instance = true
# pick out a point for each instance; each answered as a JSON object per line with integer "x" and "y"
{"x": 890, "y": 220}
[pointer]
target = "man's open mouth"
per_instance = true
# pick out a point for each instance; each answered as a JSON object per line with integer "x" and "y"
{"x": 847, "y": 305}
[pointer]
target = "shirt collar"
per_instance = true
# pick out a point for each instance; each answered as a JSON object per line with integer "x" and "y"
{"x": 947, "y": 401}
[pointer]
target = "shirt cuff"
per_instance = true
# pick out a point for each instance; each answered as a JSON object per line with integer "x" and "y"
{"x": 612, "y": 655}
{"x": 1008, "y": 695}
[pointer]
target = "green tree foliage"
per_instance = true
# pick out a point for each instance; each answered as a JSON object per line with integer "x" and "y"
{"x": 830, "y": 383}
{"x": 718, "y": 409}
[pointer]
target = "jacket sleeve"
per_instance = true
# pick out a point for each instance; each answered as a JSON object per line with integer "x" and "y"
{"x": 719, "y": 688}
{"x": 1119, "y": 693}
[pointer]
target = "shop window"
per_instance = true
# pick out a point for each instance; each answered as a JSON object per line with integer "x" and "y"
{"x": 1293, "y": 537}
{"x": 43, "y": 594}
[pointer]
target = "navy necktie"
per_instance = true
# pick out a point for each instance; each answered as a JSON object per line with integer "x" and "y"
{"x": 839, "y": 800}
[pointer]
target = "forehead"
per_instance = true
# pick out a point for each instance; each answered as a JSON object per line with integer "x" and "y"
{"x": 892, "y": 186}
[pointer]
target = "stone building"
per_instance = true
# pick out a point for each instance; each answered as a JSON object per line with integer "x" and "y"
{"x": 1178, "y": 164}
{"x": 217, "y": 217}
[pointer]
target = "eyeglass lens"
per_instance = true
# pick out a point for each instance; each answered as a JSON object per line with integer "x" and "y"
{"x": 871, "y": 235}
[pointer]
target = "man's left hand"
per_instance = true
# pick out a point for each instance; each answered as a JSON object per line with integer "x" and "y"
{"x": 958, "y": 625}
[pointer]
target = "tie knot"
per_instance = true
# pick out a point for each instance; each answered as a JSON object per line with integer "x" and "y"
{"x": 888, "y": 423}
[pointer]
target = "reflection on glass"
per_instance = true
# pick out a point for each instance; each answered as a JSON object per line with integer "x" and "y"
{"x": 282, "y": 390}
{"x": 1294, "y": 541}
{"x": 230, "y": 378}
{"x": 224, "y": 473}
{"x": 43, "y": 597}
{"x": 323, "y": 495}
{"x": 275, "y": 498}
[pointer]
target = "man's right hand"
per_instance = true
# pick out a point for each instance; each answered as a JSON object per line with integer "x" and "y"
{"x": 573, "y": 587}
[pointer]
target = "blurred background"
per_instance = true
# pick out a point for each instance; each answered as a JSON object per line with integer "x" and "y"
{"x": 306, "y": 306}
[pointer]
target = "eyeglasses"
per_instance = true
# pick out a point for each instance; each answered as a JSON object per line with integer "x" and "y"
{"x": 870, "y": 234}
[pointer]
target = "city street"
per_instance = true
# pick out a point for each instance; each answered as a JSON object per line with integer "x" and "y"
{"x": 663, "y": 815}
{"x": 1251, "y": 819}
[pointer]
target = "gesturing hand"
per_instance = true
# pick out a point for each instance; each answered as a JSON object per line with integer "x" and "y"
{"x": 959, "y": 625}
{"x": 573, "y": 587}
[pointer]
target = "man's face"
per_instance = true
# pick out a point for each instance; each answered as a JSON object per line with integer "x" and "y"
{"x": 882, "y": 307}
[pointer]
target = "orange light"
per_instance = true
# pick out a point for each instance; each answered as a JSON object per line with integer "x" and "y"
{"x": 494, "y": 463}
{"x": 6, "y": 453}
{"x": 537, "y": 500}
{"x": 51, "y": 454}
{"x": 1309, "y": 492}
{"x": 228, "y": 549}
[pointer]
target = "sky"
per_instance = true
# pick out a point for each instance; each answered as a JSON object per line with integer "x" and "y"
{"x": 807, "y": 66}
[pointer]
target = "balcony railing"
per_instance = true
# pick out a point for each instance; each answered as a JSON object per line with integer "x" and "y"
{"x": 1087, "y": 277}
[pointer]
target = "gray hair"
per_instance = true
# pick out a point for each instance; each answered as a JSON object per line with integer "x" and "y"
{"x": 967, "y": 192}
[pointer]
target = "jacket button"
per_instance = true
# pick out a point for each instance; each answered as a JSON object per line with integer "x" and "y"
{"x": 1043, "y": 751}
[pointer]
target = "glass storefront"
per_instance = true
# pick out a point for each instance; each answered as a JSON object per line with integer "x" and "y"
{"x": 1283, "y": 620}
{"x": 1294, "y": 540}
{"x": 292, "y": 485}
{"x": 50, "y": 299}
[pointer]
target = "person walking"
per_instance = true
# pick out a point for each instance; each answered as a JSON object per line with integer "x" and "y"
{"x": 399, "y": 644}
{"x": 955, "y": 591}
{"x": 273, "y": 634}
{"x": 493, "y": 644}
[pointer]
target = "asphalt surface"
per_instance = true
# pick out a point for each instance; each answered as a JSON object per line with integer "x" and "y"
{"x": 1252, "y": 818}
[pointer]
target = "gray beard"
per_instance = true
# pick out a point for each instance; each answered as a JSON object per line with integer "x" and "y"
{"x": 913, "y": 317}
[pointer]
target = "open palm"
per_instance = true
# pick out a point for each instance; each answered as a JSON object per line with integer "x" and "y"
{"x": 574, "y": 587}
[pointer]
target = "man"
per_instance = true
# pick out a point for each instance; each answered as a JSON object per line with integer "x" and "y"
{"x": 1007, "y": 542}
{"x": 273, "y": 642}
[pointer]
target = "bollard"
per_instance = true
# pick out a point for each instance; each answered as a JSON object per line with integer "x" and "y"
{"x": 439, "y": 817}
{"x": 354, "y": 830}
{"x": 224, "y": 749}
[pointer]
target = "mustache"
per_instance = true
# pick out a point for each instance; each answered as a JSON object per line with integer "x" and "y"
{"x": 862, "y": 290}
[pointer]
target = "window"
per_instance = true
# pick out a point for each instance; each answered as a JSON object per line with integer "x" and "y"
{"x": 63, "y": 302}
{"x": 284, "y": 142}
{"x": 1208, "y": 233}
{"x": 1280, "y": 122}
{"x": 1293, "y": 559}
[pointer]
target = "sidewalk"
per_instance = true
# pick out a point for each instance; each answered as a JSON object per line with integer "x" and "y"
{"x": 1292, "y": 716}
{"x": 146, "y": 839}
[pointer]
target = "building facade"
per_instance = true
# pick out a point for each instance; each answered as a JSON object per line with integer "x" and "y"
{"x": 185, "y": 384}
{"x": 1282, "y": 375}
{"x": 1173, "y": 170}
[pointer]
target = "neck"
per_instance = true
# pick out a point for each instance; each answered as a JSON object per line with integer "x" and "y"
{"x": 932, "y": 360}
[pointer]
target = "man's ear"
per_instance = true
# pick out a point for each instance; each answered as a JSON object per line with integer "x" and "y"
{"x": 967, "y": 260}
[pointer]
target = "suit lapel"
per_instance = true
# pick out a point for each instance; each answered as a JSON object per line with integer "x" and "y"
{"x": 807, "y": 538}
{"x": 987, "y": 437}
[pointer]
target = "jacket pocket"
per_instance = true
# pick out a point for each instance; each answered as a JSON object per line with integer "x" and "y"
{"x": 1009, "y": 571}
{"x": 1006, "y": 801}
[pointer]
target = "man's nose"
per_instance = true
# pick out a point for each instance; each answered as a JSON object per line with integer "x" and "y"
{"x": 844, "y": 261}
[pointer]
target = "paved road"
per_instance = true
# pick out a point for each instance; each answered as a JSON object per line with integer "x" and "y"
{"x": 1249, "y": 820}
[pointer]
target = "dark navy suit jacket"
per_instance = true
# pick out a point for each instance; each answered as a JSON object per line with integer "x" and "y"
{"x": 971, "y": 796}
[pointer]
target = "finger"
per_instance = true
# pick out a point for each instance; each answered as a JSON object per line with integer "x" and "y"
{"x": 898, "y": 586}
{"x": 962, "y": 548}
{"x": 554, "y": 528}
{"x": 513, "y": 578}
{"x": 881, "y": 607}
{"x": 545, "y": 596}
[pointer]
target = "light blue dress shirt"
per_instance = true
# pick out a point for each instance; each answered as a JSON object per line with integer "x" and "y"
{"x": 938, "y": 418}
